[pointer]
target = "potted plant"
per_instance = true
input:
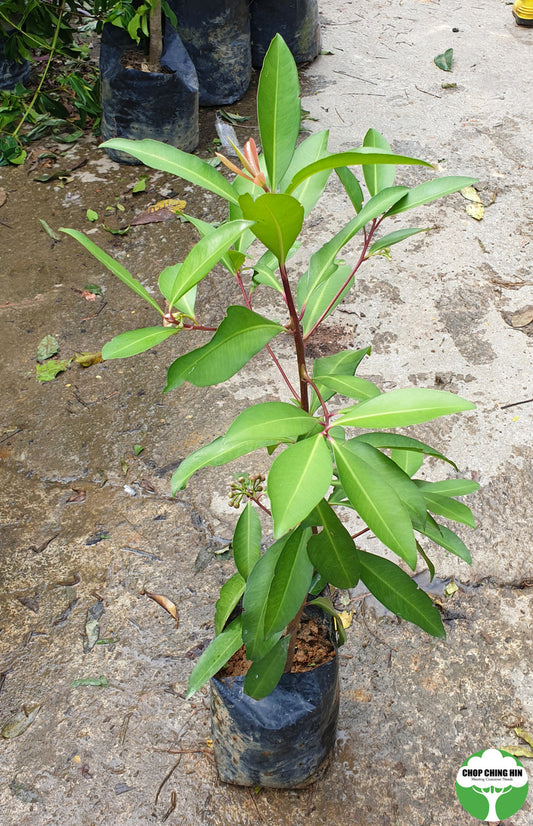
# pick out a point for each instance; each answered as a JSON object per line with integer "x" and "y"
{"x": 150, "y": 91}
{"x": 329, "y": 434}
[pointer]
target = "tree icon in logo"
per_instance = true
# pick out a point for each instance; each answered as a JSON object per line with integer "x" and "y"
{"x": 492, "y": 785}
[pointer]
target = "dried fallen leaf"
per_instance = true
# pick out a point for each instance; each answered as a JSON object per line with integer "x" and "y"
{"x": 476, "y": 211}
{"x": 165, "y": 603}
{"x": 3, "y": 197}
{"x": 49, "y": 231}
{"x": 152, "y": 217}
{"x": 97, "y": 681}
{"x": 522, "y": 317}
{"x": 88, "y": 359}
{"x": 174, "y": 204}
{"x": 47, "y": 347}
{"x": 49, "y": 371}
{"x": 20, "y": 722}
{"x": 528, "y": 738}
{"x": 346, "y": 617}
{"x": 518, "y": 751}
{"x": 471, "y": 194}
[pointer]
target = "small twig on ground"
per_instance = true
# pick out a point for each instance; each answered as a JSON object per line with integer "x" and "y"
{"x": 514, "y": 404}
{"x": 166, "y": 778}
{"x": 427, "y": 93}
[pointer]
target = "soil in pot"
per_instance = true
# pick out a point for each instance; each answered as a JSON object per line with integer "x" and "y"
{"x": 139, "y": 104}
{"x": 285, "y": 739}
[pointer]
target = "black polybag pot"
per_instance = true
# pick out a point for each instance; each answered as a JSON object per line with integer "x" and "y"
{"x": 296, "y": 21}
{"x": 216, "y": 34}
{"x": 282, "y": 741}
{"x": 11, "y": 71}
{"x": 158, "y": 105}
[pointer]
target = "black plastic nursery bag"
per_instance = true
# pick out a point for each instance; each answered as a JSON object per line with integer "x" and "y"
{"x": 158, "y": 105}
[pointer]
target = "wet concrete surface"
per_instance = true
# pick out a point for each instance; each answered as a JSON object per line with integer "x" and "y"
{"x": 88, "y": 523}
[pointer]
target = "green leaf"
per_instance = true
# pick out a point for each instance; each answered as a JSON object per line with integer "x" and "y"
{"x": 216, "y": 655}
{"x": 430, "y": 191}
{"x": 278, "y": 109}
{"x": 377, "y": 503}
{"x": 351, "y": 185}
{"x": 332, "y": 551}
{"x": 448, "y": 507}
{"x": 204, "y": 255}
{"x": 330, "y": 290}
{"x": 299, "y": 478}
{"x": 397, "y": 592}
{"x": 356, "y": 157}
{"x": 134, "y": 342}
{"x": 396, "y": 441}
{"x": 408, "y": 460}
{"x": 205, "y": 228}
{"x": 214, "y": 454}
{"x": 444, "y": 61}
{"x": 247, "y": 541}
{"x": 394, "y": 238}
{"x": 182, "y": 164}
{"x": 263, "y": 675}
{"x": 351, "y": 386}
{"x": 309, "y": 150}
{"x": 259, "y": 426}
{"x": 277, "y": 220}
{"x": 264, "y": 274}
{"x": 427, "y": 560}
{"x": 114, "y": 267}
{"x": 91, "y": 215}
{"x": 403, "y": 407}
{"x": 230, "y": 594}
{"x": 450, "y": 487}
{"x": 186, "y": 303}
{"x": 290, "y": 583}
{"x": 443, "y": 536}
{"x": 240, "y": 336}
{"x": 408, "y": 492}
{"x": 321, "y": 261}
{"x": 344, "y": 363}
{"x": 255, "y": 602}
{"x": 269, "y": 423}
{"x": 327, "y": 606}
{"x": 377, "y": 176}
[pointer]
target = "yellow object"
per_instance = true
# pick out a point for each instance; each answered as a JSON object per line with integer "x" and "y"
{"x": 523, "y": 12}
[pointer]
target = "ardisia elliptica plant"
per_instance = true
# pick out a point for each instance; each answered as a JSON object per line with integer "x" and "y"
{"x": 320, "y": 467}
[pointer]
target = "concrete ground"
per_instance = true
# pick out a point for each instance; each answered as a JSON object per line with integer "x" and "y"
{"x": 88, "y": 523}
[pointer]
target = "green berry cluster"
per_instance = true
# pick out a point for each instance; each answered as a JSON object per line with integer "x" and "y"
{"x": 245, "y": 487}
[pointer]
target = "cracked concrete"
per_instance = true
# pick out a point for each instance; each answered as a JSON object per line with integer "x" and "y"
{"x": 88, "y": 519}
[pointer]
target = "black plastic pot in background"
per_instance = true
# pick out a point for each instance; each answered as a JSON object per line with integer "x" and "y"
{"x": 216, "y": 33}
{"x": 296, "y": 21}
{"x": 282, "y": 741}
{"x": 11, "y": 71}
{"x": 137, "y": 104}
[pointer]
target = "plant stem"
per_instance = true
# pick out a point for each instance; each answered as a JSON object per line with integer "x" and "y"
{"x": 248, "y": 301}
{"x": 298, "y": 339}
{"x": 39, "y": 87}
{"x": 156, "y": 38}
